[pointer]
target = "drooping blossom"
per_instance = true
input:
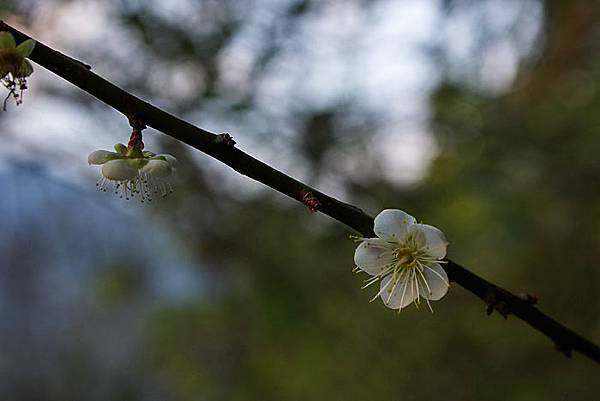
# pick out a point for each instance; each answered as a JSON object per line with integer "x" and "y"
{"x": 134, "y": 173}
{"x": 14, "y": 67}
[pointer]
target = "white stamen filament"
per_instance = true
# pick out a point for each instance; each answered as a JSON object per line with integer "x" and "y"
{"x": 408, "y": 264}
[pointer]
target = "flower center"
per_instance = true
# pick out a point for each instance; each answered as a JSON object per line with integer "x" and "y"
{"x": 410, "y": 253}
{"x": 407, "y": 262}
{"x": 10, "y": 58}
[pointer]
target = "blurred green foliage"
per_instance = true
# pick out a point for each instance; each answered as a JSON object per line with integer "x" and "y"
{"x": 116, "y": 284}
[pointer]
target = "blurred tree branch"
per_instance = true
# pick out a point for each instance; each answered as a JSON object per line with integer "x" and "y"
{"x": 221, "y": 147}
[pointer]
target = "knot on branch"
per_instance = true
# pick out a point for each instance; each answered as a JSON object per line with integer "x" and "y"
{"x": 499, "y": 306}
{"x": 503, "y": 308}
{"x": 531, "y": 299}
{"x": 224, "y": 139}
{"x": 564, "y": 349}
{"x": 310, "y": 200}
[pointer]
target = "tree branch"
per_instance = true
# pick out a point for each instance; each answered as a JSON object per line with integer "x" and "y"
{"x": 221, "y": 147}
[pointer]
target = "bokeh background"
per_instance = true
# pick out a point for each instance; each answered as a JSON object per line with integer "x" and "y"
{"x": 480, "y": 117}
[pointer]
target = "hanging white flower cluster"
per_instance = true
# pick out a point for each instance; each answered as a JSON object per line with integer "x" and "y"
{"x": 134, "y": 173}
{"x": 14, "y": 68}
{"x": 405, "y": 258}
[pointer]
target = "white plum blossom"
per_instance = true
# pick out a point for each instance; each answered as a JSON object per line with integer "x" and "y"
{"x": 405, "y": 258}
{"x": 134, "y": 172}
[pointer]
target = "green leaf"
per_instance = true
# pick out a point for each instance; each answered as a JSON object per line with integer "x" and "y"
{"x": 148, "y": 154}
{"x": 25, "y": 48}
{"x": 7, "y": 41}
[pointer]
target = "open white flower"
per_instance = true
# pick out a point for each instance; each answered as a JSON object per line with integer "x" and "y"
{"x": 132, "y": 173}
{"x": 405, "y": 258}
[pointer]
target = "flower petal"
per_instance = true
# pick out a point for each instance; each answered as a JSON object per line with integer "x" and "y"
{"x": 397, "y": 294}
{"x": 437, "y": 280}
{"x": 118, "y": 170}
{"x": 157, "y": 168}
{"x": 25, "y": 48}
{"x": 172, "y": 161}
{"x": 7, "y": 40}
{"x": 435, "y": 240}
{"x": 393, "y": 223}
{"x": 373, "y": 255}
{"x": 101, "y": 156}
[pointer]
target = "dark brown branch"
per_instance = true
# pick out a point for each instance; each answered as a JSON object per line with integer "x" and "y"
{"x": 221, "y": 147}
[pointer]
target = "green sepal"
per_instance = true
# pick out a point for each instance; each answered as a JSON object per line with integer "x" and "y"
{"x": 159, "y": 158}
{"x": 113, "y": 156}
{"x": 137, "y": 163}
{"x": 7, "y": 40}
{"x": 25, "y": 48}
{"x": 120, "y": 148}
{"x": 148, "y": 154}
{"x": 25, "y": 69}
